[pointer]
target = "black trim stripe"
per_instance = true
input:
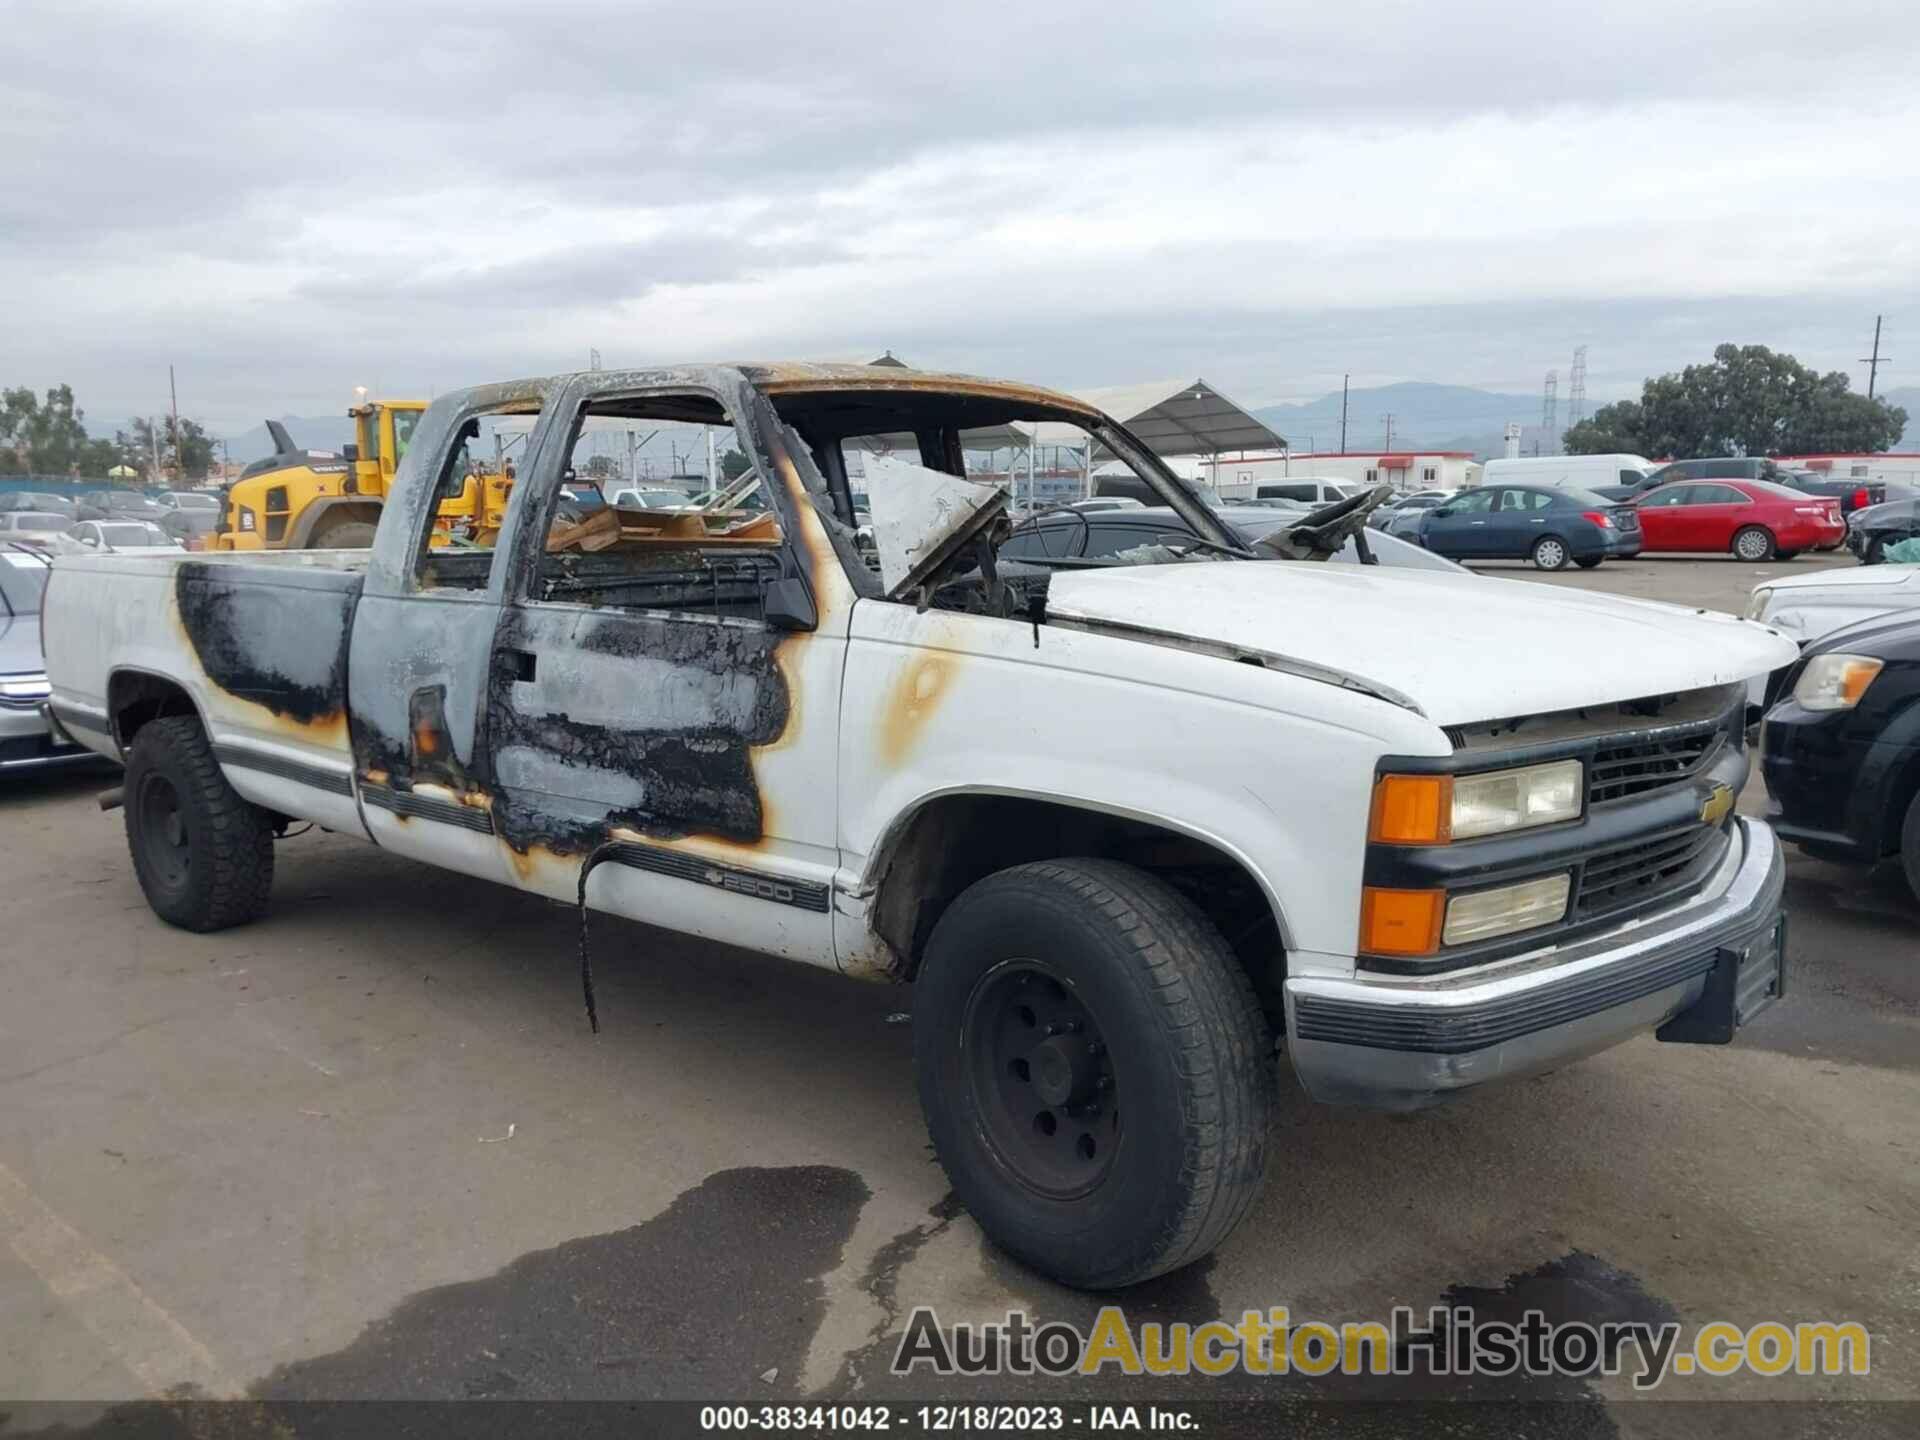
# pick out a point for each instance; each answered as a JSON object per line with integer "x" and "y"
{"x": 312, "y": 776}
{"x": 412, "y": 806}
{"x": 755, "y": 884}
{"x": 1457, "y": 1030}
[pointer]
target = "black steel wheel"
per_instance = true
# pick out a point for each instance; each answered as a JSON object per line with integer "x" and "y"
{"x": 1095, "y": 1069}
{"x": 203, "y": 855}
{"x": 1043, "y": 1083}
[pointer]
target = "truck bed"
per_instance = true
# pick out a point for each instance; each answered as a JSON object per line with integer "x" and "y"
{"x": 258, "y": 640}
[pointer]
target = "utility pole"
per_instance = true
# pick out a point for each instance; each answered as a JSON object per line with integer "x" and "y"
{"x": 179, "y": 460}
{"x": 1874, "y": 361}
{"x": 153, "y": 438}
{"x": 1387, "y": 420}
{"x": 1343, "y": 413}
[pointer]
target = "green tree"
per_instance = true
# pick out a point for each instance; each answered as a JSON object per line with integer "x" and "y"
{"x": 733, "y": 465}
{"x": 1749, "y": 401}
{"x": 1611, "y": 430}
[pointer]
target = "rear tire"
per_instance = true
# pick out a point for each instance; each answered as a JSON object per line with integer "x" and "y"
{"x": 1754, "y": 544}
{"x": 343, "y": 535}
{"x": 1550, "y": 553}
{"x": 1589, "y": 564}
{"x": 203, "y": 855}
{"x": 1025, "y": 966}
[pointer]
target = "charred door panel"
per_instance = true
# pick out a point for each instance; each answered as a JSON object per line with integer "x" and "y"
{"x": 679, "y": 742}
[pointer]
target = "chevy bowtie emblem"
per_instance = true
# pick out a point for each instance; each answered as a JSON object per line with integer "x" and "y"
{"x": 1714, "y": 808}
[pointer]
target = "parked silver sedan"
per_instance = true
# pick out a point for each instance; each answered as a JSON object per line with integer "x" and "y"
{"x": 28, "y": 740}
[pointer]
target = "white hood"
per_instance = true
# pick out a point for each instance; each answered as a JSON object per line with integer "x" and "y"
{"x": 1461, "y": 647}
{"x": 1860, "y": 577}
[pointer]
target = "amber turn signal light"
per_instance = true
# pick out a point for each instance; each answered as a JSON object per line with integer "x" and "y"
{"x": 1412, "y": 810}
{"x": 1401, "y": 922}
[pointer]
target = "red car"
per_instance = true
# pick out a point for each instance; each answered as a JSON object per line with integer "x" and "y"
{"x": 1753, "y": 519}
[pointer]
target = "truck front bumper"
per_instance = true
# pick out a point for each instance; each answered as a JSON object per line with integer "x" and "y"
{"x": 1401, "y": 1043}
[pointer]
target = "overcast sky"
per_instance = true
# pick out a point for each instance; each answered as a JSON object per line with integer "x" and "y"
{"x": 289, "y": 200}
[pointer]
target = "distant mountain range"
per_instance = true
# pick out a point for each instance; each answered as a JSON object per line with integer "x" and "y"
{"x": 1425, "y": 415}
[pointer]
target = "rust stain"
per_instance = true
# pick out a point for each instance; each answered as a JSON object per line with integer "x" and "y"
{"x": 915, "y": 695}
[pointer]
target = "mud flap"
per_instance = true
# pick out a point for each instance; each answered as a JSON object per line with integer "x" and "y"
{"x": 1742, "y": 983}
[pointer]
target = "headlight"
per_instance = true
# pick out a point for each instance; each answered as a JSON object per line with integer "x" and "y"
{"x": 1757, "y": 606}
{"x": 1835, "y": 682}
{"x": 1487, "y": 913}
{"x": 1435, "y": 809}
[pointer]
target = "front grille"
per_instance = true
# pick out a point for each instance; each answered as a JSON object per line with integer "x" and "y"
{"x": 1636, "y": 766}
{"x": 1644, "y": 872}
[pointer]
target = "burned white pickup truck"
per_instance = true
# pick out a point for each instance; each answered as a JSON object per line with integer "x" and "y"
{"x": 1132, "y": 827}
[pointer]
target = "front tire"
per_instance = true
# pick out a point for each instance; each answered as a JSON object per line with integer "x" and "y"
{"x": 1754, "y": 544}
{"x": 1095, "y": 1070}
{"x": 1550, "y": 553}
{"x": 204, "y": 856}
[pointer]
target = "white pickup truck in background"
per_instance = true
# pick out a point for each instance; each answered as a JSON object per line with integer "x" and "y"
{"x": 1130, "y": 826}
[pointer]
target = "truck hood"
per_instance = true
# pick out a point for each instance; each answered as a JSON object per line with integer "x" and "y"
{"x": 1458, "y": 648}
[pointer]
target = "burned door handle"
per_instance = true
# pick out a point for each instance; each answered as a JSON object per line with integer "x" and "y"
{"x": 519, "y": 664}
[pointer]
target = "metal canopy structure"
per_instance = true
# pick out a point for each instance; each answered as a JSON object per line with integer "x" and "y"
{"x": 1175, "y": 417}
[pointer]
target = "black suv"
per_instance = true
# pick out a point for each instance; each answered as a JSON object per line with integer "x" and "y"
{"x": 1841, "y": 750}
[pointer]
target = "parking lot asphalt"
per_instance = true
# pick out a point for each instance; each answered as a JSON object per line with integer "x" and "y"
{"x": 368, "y": 1147}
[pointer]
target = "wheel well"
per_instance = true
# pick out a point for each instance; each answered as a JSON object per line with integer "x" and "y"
{"x": 1902, "y": 794}
{"x": 134, "y": 698}
{"x": 957, "y": 839}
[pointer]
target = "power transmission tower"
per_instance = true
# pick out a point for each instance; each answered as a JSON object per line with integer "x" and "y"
{"x": 593, "y": 359}
{"x": 1577, "y": 388}
{"x": 1874, "y": 361}
{"x": 1386, "y": 420}
{"x": 1550, "y": 414}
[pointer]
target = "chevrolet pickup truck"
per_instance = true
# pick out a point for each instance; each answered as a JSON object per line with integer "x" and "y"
{"x": 1137, "y": 829}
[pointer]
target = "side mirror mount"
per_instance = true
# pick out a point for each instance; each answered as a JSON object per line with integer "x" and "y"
{"x": 1442, "y": 512}
{"x": 788, "y": 605}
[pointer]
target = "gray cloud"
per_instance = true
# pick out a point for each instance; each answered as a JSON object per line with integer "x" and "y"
{"x": 288, "y": 201}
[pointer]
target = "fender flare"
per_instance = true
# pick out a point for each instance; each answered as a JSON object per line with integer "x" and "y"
{"x": 880, "y": 858}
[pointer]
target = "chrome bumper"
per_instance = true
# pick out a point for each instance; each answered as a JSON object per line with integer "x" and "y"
{"x": 1402, "y": 1043}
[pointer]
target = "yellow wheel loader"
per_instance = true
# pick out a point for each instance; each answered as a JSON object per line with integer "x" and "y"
{"x": 315, "y": 500}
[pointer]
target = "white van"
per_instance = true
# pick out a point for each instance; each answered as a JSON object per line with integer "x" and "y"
{"x": 1568, "y": 472}
{"x": 1306, "y": 490}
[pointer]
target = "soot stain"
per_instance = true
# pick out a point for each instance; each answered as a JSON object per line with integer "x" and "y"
{"x": 283, "y": 647}
{"x": 698, "y": 778}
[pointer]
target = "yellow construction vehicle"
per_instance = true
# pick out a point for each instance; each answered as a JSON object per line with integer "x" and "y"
{"x": 314, "y": 500}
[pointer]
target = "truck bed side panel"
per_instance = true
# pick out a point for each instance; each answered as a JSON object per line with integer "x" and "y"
{"x": 259, "y": 647}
